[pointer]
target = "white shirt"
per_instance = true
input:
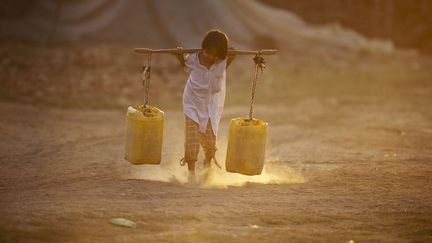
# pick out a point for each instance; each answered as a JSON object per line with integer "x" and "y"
{"x": 204, "y": 93}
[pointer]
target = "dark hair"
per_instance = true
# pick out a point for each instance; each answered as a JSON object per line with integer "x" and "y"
{"x": 216, "y": 39}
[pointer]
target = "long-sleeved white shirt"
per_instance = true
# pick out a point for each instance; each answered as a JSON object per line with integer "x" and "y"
{"x": 204, "y": 93}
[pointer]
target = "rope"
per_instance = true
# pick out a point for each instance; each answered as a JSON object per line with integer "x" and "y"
{"x": 145, "y": 75}
{"x": 259, "y": 65}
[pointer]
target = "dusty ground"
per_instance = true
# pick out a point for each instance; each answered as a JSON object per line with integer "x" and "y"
{"x": 345, "y": 161}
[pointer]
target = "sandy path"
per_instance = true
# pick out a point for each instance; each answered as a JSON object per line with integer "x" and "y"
{"x": 338, "y": 169}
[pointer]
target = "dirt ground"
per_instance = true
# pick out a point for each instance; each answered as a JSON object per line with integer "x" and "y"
{"x": 345, "y": 166}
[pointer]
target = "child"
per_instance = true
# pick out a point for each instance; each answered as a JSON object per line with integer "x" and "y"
{"x": 203, "y": 97}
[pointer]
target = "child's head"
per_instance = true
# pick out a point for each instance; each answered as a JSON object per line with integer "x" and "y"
{"x": 215, "y": 45}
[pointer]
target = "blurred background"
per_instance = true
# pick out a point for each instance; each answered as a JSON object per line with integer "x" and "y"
{"x": 79, "y": 53}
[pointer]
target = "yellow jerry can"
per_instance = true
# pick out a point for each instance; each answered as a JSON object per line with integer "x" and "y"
{"x": 144, "y": 132}
{"x": 246, "y": 146}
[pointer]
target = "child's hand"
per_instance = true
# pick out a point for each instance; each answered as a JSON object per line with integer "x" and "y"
{"x": 179, "y": 56}
{"x": 231, "y": 57}
{"x": 231, "y": 49}
{"x": 179, "y": 48}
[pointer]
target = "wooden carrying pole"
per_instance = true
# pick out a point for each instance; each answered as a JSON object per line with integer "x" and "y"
{"x": 191, "y": 50}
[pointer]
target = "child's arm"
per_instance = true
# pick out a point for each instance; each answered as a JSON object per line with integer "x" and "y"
{"x": 230, "y": 57}
{"x": 180, "y": 58}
